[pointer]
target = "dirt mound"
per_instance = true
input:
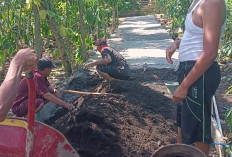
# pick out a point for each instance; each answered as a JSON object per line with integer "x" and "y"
{"x": 134, "y": 121}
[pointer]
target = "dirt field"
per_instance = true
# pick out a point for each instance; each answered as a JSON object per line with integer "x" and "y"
{"x": 135, "y": 119}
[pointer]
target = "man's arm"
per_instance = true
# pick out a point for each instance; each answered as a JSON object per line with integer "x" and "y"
{"x": 50, "y": 97}
{"x": 51, "y": 89}
{"x": 55, "y": 92}
{"x": 171, "y": 50}
{"x": 24, "y": 59}
{"x": 107, "y": 59}
{"x": 212, "y": 26}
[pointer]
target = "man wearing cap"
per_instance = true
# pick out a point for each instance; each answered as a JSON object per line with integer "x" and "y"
{"x": 113, "y": 65}
{"x": 44, "y": 91}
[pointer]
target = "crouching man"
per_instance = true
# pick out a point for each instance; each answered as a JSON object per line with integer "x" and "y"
{"x": 112, "y": 65}
{"x": 44, "y": 91}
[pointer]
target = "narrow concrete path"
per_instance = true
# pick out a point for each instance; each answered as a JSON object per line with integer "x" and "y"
{"x": 142, "y": 39}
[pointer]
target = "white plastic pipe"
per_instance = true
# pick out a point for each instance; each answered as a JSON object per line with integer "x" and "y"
{"x": 217, "y": 115}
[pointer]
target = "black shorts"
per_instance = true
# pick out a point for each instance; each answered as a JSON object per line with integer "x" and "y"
{"x": 122, "y": 73}
{"x": 196, "y": 109}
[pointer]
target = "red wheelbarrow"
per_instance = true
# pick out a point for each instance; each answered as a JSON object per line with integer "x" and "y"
{"x": 20, "y": 137}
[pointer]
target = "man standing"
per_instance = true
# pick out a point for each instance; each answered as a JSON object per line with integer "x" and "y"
{"x": 113, "y": 65}
{"x": 44, "y": 92}
{"x": 199, "y": 72}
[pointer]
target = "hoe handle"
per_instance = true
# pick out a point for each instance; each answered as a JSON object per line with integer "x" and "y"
{"x": 31, "y": 113}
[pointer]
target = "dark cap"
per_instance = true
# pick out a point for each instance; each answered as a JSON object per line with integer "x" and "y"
{"x": 44, "y": 63}
{"x": 100, "y": 42}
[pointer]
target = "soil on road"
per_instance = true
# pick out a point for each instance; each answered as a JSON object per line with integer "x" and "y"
{"x": 138, "y": 116}
{"x": 135, "y": 120}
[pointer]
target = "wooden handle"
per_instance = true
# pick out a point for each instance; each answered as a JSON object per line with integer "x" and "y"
{"x": 83, "y": 93}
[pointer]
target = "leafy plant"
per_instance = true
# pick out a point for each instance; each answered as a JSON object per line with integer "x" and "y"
{"x": 228, "y": 118}
{"x": 226, "y": 43}
{"x": 175, "y": 11}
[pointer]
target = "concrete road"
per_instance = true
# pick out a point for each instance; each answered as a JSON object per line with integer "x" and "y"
{"x": 142, "y": 39}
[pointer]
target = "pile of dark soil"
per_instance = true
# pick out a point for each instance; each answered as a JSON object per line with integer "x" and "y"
{"x": 135, "y": 119}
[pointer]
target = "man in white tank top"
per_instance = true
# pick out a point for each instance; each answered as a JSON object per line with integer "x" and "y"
{"x": 199, "y": 73}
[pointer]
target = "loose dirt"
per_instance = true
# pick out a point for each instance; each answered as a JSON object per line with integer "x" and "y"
{"x": 136, "y": 119}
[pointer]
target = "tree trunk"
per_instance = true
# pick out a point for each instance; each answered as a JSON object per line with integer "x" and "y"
{"x": 8, "y": 14}
{"x": 18, "y": 39}
{"x": 113, "y": 20}
{"x": 82, "y": 31}
{"x": 105, "y": 32}
{"x": 59, "y": 40}
{"x": 98, "y": 27}
{"x": 117, "y": 18}
{"x": 56, "y": 32}
{"x": 38, "y": 39}
{"x": 66, "y": 14}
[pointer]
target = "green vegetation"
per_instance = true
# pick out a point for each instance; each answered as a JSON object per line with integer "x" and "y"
{"x": 226, "y": 43}
{"x": 175, "y": 11}
{"x": 61, "y": 28}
